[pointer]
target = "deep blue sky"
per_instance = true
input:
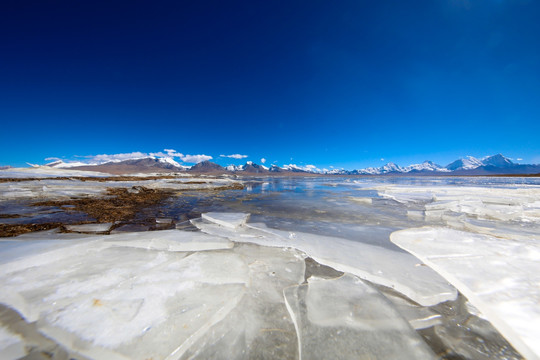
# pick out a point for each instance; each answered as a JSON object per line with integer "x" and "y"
{"x": 341, "y": 83}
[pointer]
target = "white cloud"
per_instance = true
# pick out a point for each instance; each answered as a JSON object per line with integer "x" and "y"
{"x": 235, "y": 156}
{"x": 263, "y": 160}
{"x": 519, "y": 159}
{"x": 173, "y": 153}
{"x": 103, "y": 158}
{"x": 195, "y": 158}
{"x": 382, "y": 159}
{"x": 52, "y": 159}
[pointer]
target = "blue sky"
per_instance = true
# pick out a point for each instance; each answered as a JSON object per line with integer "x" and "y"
{"x": 344, "y": 83}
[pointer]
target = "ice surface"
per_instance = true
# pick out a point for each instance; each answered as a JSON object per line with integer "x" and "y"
{"x": 11, "y": 345}
{"x": 419, "y": 317}
{"x": 260, "y": 326}
{"x": 345, "y": 318}
{"x": 361, "y": 200}
{"x": 65, "y": 189}
{"x": 89, "y": 228}
{"x": 230, "y": 220}
{"x": 397, "y": 270}
{"x": 104, "y": 297}
{"x": 169, "y": 240}
{"x": 476, "y": 340}
{"x": 500, "y": 277}
{"x": 118, "y": 302}
{"x": 503, "y": 203}
{"x": 45, "y": 171}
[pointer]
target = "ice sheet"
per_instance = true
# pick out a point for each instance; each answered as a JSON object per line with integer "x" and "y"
{"x": 502, "y": 203}
{"x": 169, "y": 240}
{"x": 419, "y": 317}
{"x": 73, "y": 188}
{"x": 499, "y": 276}
{"x": 260, "y": 326}
{"x": 230, "y": 220}
{"x": 397, "y": 270}
{"x": 124, "y": 302}
{"x": 89, "y": 228}
{"x": 11, "y": 345}
{"x": 345, "y": 318}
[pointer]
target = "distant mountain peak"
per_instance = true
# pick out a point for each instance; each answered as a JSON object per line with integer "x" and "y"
{"x": 497, "y": 160}
{"x": 466, "y": 163}
{"x": 207, "y": 167}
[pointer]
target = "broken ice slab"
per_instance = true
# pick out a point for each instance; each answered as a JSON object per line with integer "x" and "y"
{"x": 130, "y": 228}
{"x": 164, "y": 220}
{"x": 118, "y": 302}
{"x": 90, "y": 228}
{"x": 170, "y": 240}
{"x": 260, "y": 326}
{"x": 514, "y": 231}
{"x": 153, "y": 326}
{"x": 20, "y": 254}
{"x": 345, "y": 318}
{"x": 419, "y": 317}
{"x": 361, "y": 200}
{"x": 230, "y": 220}
{"x": 11, "y": 345}
{"x": 210, "y": 228}
{"x": 503, "y": 203}
{"x": 476, "y": 340}
{"x": 395, "y": 269}
{"x": 499, "y": 276}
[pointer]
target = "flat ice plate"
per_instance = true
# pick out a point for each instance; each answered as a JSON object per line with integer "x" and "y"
{"x": 500, "y": 277}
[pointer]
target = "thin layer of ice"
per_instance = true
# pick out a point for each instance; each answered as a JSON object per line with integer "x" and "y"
{"x": 419, "y": 317}
{"x": 500, "y": 277}
{"x": 397, "y": 270}
{"x": 345, "y": 318}
{"x": 476, "y": 340}
{"x": 169, "y": 240}
{"x": 89, "y": 228}
{"x": 260, "y": 326}
{"x": 124, "y": 302}
{"x": 66, "y": 189}
{"x": 230, "y": 220}
{"x": 503, "y": 203}
{"x": 46, "y": 171}
{"x": 11, "y": 345}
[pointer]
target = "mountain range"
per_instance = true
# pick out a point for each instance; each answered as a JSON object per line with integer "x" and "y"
{"x": 490, "y": 165}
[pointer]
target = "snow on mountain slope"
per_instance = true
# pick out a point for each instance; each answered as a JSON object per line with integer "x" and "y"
{"x": 425, "y": 166}
{"x": 59, "y": 164}
{"x": 171, "y": 161}
{"x": 466, "y": 163}
{"x": 497, "y": 160}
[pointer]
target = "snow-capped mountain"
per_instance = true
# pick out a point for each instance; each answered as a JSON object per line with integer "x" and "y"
{"x": 207, "y": 167}
{"x": 167, "y": 162}
{"x": 137, "y": 165}
{"x": 497, "y": 160}
{"x": 466, "y": 163}
{"x": 253, "y": 168}
{"x": 469, "y": 165}
{"x": 59, "y": 164}
{"x": 425, "y": 166}
{"x": 171, "y": 161}
{"x": 305, "y": 168}
{"x": 489, "y": 165}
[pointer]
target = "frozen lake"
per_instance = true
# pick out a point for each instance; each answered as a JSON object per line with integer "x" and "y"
{"x": 285, "y": 268}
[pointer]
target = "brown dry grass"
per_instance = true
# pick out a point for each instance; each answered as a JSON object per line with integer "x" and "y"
{"x": 120, "y": 204}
